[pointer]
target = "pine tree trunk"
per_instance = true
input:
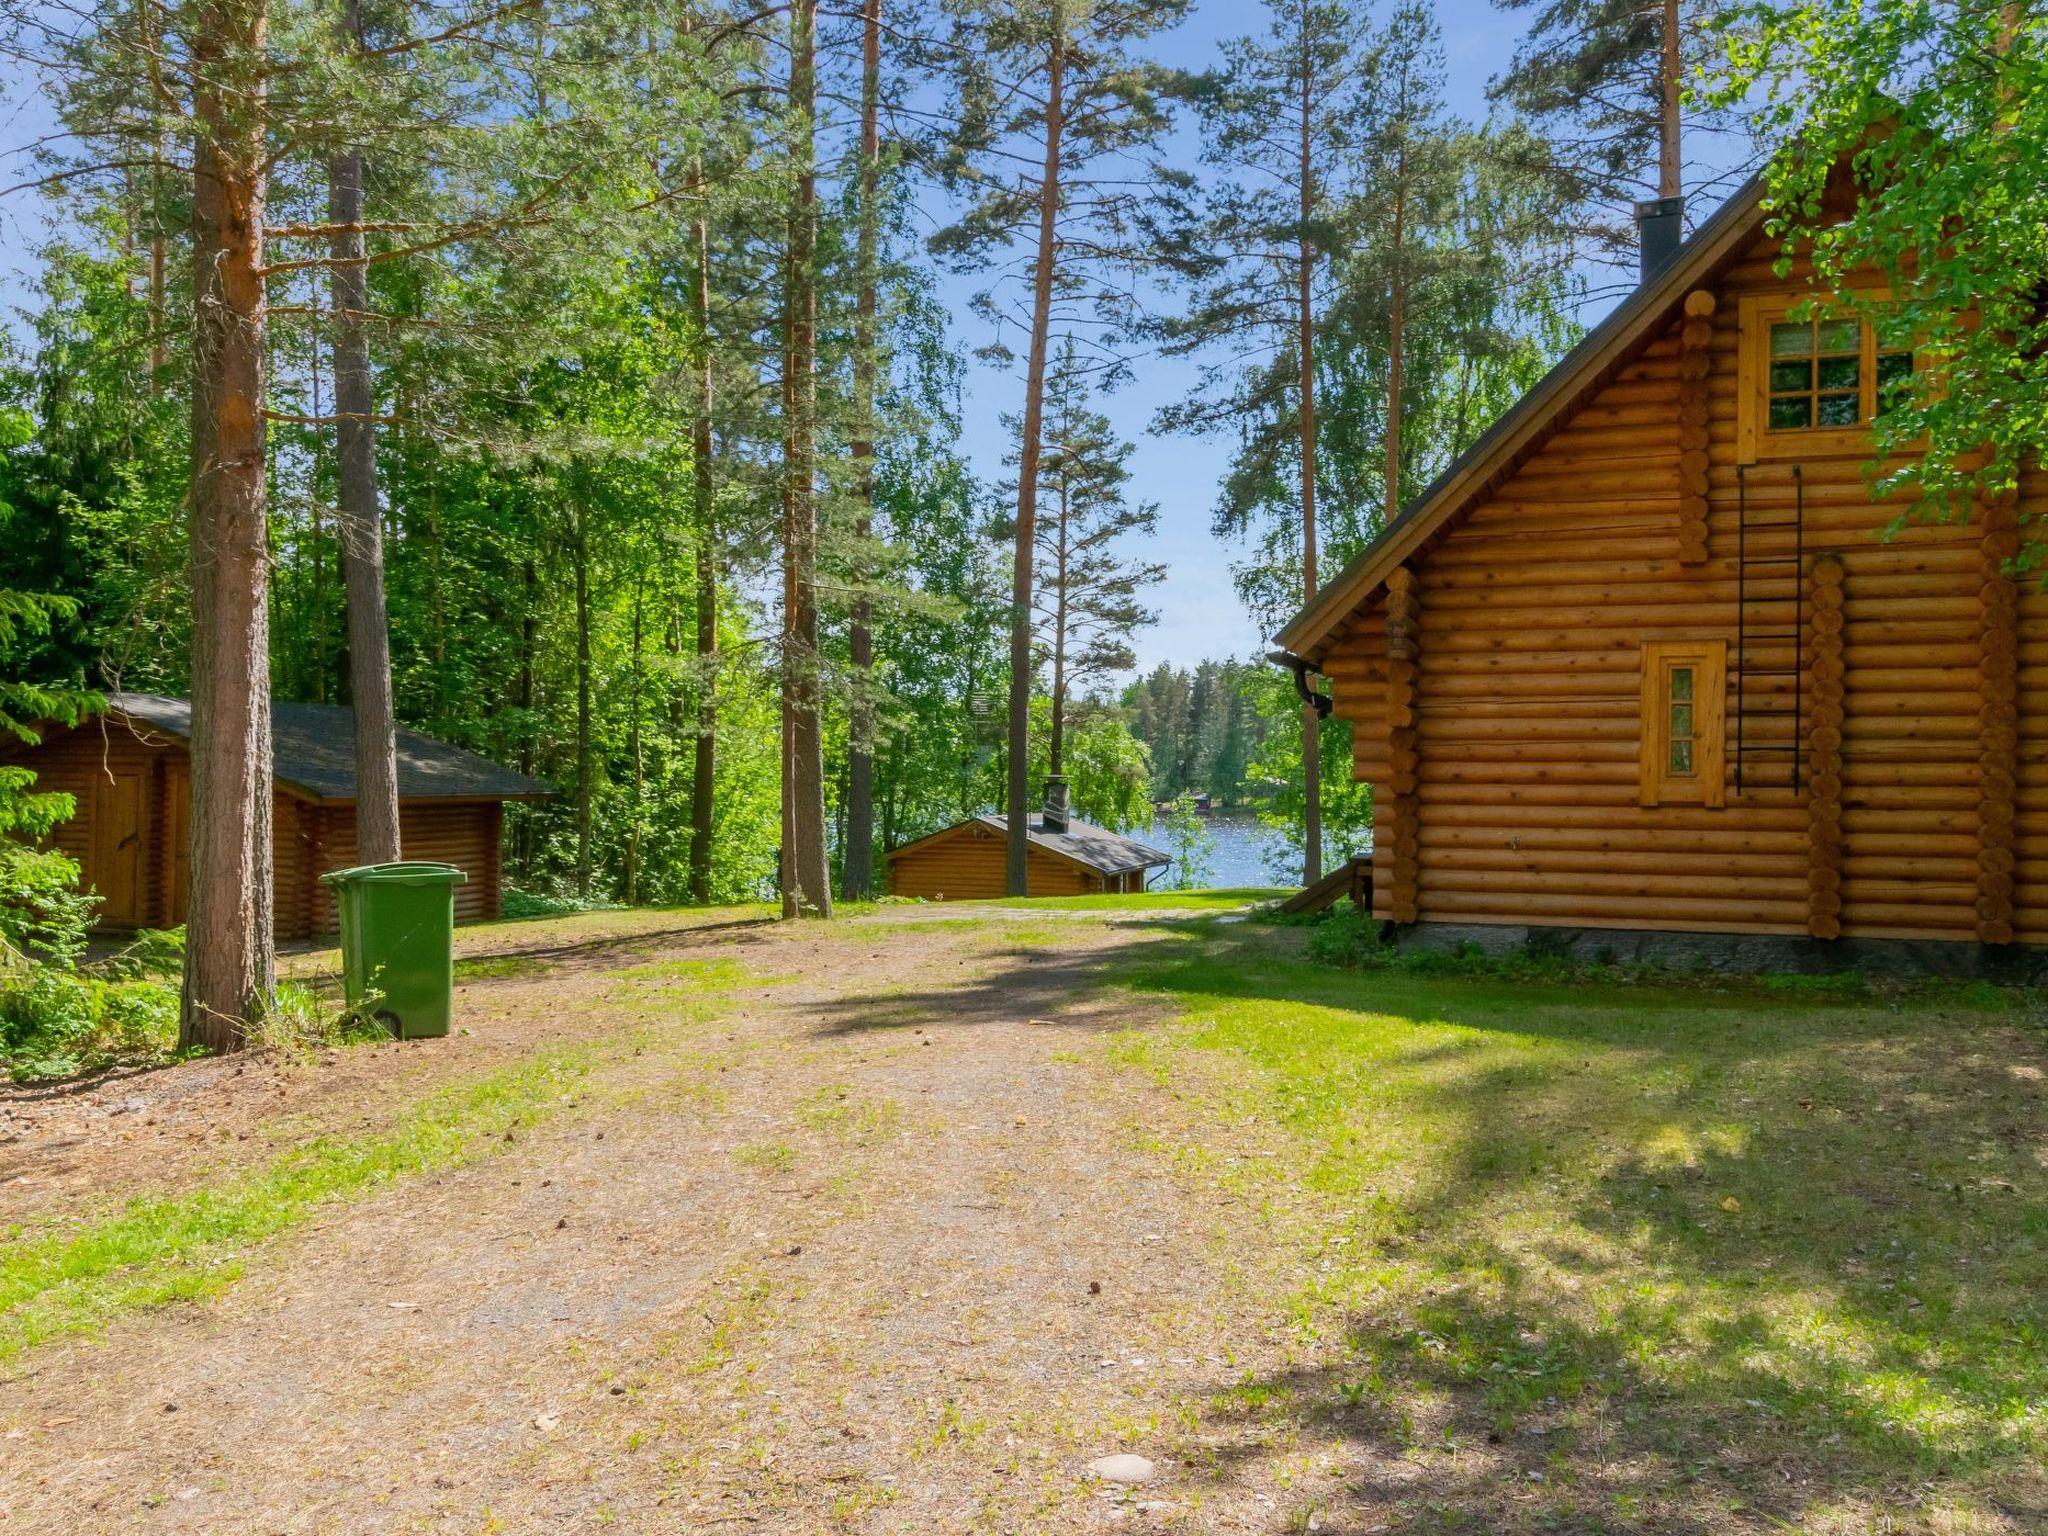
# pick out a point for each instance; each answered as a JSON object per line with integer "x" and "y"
{"x": 159, "y": 337}
{"x": 703, "y": 770}
{"x": 1397, "y": 319}
{"x": 360, "y": 520}
{"x": 807, "y": 886}
{"x": 528, "y": 635}
{"x": 229, "y": 955}
{"x": 1017, "y": 803}
{"x": 1311, "y": 723}
{"x": 1057, "y": 756}
{"x": 1670, "y": 82}
{"x": 859, "y": 843}
{"x": 585, "y": 754}
{"x": 634, "y": 747}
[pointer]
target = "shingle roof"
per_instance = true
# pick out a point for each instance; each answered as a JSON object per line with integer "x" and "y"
{"x": 313, "y": 749}
{"x": 1097, "y": 847}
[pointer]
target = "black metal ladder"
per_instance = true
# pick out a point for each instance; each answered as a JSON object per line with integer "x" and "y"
{"x": 1769, "y": 621}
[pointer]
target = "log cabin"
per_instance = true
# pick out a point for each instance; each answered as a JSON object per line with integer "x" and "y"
{"x": 129, "y": 772}
{"x": 1065, "y": 857}
{"x": 1642, "y": 673}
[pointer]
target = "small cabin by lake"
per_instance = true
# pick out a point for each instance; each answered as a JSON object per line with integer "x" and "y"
{"x": 1639, "y": 664}
{"x": 1066, "y": 857}
{"x": 130, "y": 773}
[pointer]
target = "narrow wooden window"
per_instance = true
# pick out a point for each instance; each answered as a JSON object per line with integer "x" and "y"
{"x": 1810, "y": 386}
{"x": 1683, "y": 705}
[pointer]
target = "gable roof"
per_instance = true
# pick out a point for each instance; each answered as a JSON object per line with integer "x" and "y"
{"x": 1526, "y": 425}
{"x": 313, "y": 750}
{"x": 1110, "y": 853}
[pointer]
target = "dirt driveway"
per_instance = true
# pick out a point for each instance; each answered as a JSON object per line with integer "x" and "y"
{"x": 816, "y": 1257}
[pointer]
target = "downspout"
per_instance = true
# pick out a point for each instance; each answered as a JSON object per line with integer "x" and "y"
{"x": 1301, "y": 668}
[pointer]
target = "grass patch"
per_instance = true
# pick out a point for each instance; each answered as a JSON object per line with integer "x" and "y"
{"x": 766, "y": 1157}
{"x": 1756, "y": 1248}
{"x": 711, "y": 975}
{"x": 498, "y": 967}
{"x": 191, "y": 1245}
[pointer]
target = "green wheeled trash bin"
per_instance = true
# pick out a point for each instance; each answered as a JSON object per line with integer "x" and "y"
{"x": 398, "y": 943}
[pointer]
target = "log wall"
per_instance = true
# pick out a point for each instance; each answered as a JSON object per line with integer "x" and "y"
{"x": 465, "y": 833}
{"x": 129, "y": 833}
{"x": 1528, "y": 618}
{"x": 966, "y": 864}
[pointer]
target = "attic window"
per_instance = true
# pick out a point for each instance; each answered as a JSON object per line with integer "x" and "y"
{"x": 1810, "y": 382}
{"x": 1683, "y": 705}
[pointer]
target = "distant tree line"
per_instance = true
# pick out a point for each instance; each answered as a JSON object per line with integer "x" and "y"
{"x": 1202, "y": 729}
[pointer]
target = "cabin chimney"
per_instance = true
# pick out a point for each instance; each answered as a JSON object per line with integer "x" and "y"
{"x": 1054, "y": 817}
{"x": 1660, "y": 226}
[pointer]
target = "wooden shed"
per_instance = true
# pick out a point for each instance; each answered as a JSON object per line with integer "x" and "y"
{"x": 1641, "y": 662}
{"x": 965, "y": 862}
{"x": 129, "y": 772}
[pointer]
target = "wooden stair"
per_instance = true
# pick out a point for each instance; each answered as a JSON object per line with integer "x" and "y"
{"x": 1352, "y": 878}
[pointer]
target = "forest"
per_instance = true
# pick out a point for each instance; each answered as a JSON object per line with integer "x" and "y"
{"x": 577, "y": 384}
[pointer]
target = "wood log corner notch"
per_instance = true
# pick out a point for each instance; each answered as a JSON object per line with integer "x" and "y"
{"x": 1397, "y": 821}
{"x": 1695, "y": 342}
{"x": 1824, "y": 754}
{"x": 1998, "y": 719}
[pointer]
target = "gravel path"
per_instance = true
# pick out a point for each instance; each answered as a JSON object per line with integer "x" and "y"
{"x": 887, "y": 1245}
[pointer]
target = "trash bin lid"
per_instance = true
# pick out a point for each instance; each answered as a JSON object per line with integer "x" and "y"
{"x": 404, "y": 872}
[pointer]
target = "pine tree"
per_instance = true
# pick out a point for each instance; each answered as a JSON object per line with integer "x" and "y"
{"x": 360, "y": 519}
{"x": 806, "y": 880}
{"x": 1085, "y": 587}
{"x": 1280, "y": 121}
{"x": 857, "y": 860}
{"x": 1052, "y": 117}
{"x": 1603, "y": 82}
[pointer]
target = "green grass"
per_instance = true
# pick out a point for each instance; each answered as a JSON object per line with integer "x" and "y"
{"x": 1684, "y": 1252}
{"x": 194, "y": 1244}
{"x": 498, "y": 967}
{"x": 1219, "y": 898}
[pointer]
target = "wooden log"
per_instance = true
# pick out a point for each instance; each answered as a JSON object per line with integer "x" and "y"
{"x": 1998, "y": 644}
{"x": 1824, "y": 752}
{"x": 1395, "y": 817}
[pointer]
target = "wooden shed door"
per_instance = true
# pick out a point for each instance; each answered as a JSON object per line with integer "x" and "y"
{"x": 117, "y": 844}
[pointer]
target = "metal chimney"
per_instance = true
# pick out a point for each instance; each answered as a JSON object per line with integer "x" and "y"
{"x": 1054, "y": 816}
{"x": 1660, "y": 227}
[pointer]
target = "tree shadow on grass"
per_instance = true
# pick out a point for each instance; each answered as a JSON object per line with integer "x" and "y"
{"x": 609, "y": 952}
{"x": 1617, "y": 1257}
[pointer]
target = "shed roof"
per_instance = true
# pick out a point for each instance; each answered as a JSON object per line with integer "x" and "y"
{"x": 313, "y": 750}
{"x": 1097, "y": 847}
{"x": 1527, "y": 424}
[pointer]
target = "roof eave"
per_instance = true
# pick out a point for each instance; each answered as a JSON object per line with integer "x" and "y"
{"x": 1606, "y": 346}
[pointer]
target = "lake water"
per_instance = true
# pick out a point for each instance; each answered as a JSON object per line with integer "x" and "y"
{"x": 1240, "y": 853}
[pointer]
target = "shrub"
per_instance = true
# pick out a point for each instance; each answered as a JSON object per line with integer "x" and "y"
{"x": 526, "y": 904}
{"x": 298, "y": 1020}
{"x": 1345, "y": 936}
{"x": 59, "y": 1020}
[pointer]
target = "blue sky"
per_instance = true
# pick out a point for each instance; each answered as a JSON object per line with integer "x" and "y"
{"x": 1200, "y": 616}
